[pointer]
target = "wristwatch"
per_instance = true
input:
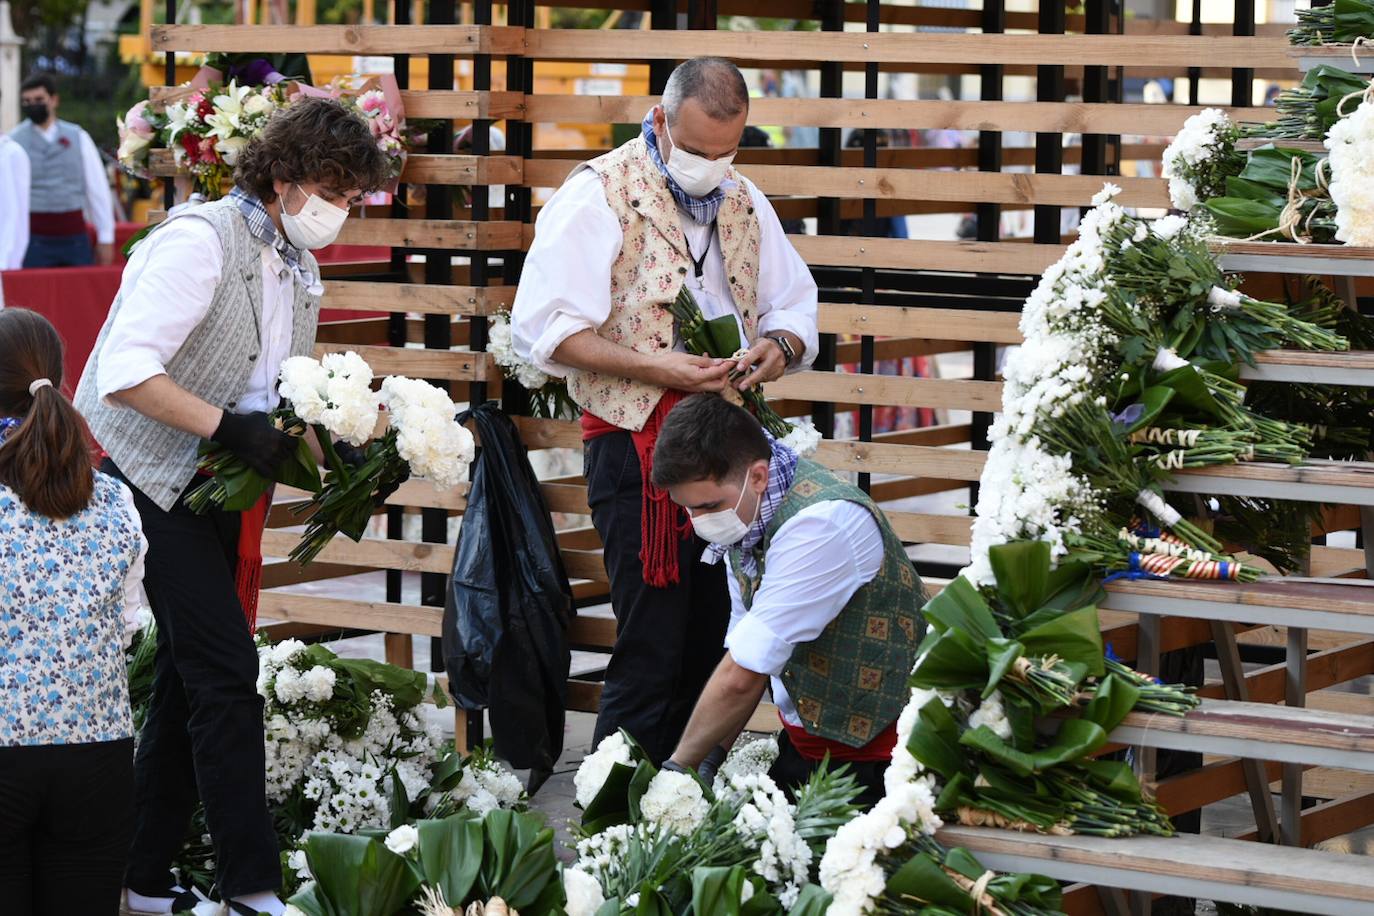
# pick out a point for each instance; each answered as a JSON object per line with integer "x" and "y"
{"x": 789, "y": 355}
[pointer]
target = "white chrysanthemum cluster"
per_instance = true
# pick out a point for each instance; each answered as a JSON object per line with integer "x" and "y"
{"x": 583, "y": 891}
{"x": 804, "y": 438}
{"x": 428, "y": 435}
{"x": 991, "y": 714}
{"x": 501, "y": 346}
{"x": 1026, "y": 491}
{"x": 603, "y": 855}
{"x": 1186, "y": 159}
{"x": 674, "y": 802}
{"x": 596, "y": 766}
{"x": 904, "y": 767}
{"x": 334, "y": 392}
{"x": 1350, "y": 144}
{"x": 747, "y": 758}
{"x": 486, "y": 786}
{"x": 766, "y": 822}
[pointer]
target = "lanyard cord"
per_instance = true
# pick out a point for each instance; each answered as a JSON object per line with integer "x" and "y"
{"x": 699, "y": 262}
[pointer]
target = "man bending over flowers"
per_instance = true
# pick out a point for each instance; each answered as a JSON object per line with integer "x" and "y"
{"x": 212, "y": 302}
{"x": 824, "y": 602}
{"x": 613, "y": 248}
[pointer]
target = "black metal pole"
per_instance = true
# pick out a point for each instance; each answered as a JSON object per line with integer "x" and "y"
{"x": 828, "y": 208}
{"x": 396, "y": 321}
{"x": 169, "y": 193}
{"x": 867, "y": 363}
{"x": 1243, "y": 78}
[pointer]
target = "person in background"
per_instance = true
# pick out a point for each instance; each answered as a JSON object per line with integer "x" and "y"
{"x": 824, "y": 603}
{"x": 213, "y": 301}
{"x": 753, "y": 137}
{"x": 618, "y": 241}
{"x": 14, "y": 205}
{"x": 68, "y": 184}
{"x": 72, "y": 549}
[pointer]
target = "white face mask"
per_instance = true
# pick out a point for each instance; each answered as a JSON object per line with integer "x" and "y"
{"x": 725, "y": 527}
{"x": 316, "y": 224}
{"x": 696, "y": 175}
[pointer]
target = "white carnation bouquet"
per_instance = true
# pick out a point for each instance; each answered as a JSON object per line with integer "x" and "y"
{"x": 423, "y": 438}
{"x": 1351, "y": 158}
{"x": 548, "y": 395}
{"x": 1201, "y": 157}
{"x": 334, "y": 395}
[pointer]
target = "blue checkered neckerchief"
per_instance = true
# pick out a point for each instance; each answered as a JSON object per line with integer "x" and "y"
{"x": 262, "y": 228}
{"x": 7, "y": 426}
{"x": 702, "y": 210}
{"x": 782, "y": 467}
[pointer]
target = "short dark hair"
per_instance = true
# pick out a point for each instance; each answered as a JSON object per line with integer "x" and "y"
{"x": 714, "y": 82}
{"x": 40, "y": 81}
{"x": 707, "y": 438}
{"x": 317, "y": 140}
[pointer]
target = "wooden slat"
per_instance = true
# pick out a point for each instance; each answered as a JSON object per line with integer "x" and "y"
{"x": 427, "y": 299}
{"x": 922, "y": 528}
{"x": 1316, "y": 481}
{"x": 1057, "y": 117}
{"x": 462, "y": 105}
{"x": 375, "y": 616}
{"x": 1003, "y": 258}
{"x": 922, "y": 48}
{"x": 938, "y": 324}
{"x": 1347, "y": 606}
{"x": 374, "y": 553}
{"x": 1333, "y": 818}
{"x": 427, "y": 168}
{"x": 536, "y": 433}
{"x": 455, "y": 365}
{"x": 341, "y": 39}
{"x": 434, "y": 233}
{"x": 891, "y": 390}
{"x": 915, "y": 460}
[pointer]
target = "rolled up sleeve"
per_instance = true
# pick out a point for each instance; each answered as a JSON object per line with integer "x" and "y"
{"x": 167, "y": 287}
{"x": 787, "y": 291}
{"x": 565, "y": 286}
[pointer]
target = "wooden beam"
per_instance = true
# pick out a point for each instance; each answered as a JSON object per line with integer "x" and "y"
{"x": 942, "y": 324}
{"x": 427, "y": 299}
{"x": 434, "y": 233}
{"x": 455, "y": 365}
{"x": 341, "y": 39}
{"x": 891, "y": 390}
{"x": 462, "y": 105}
{"x": 1001, "y": 258}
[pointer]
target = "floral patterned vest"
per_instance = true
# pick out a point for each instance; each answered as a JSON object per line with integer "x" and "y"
{"x": 650, "y": 270}
{"x": 849, "y": 683}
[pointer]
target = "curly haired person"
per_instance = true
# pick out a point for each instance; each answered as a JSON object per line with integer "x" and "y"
{"x": 212, "y": 302}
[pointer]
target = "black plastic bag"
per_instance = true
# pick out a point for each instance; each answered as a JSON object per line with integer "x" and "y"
{"x": 509, "y": 603}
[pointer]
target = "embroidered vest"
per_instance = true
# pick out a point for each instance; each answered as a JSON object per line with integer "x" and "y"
{"x": 215, "y": 364}
{"x": 650, "y": 270}
{"x": 850, "y": 682}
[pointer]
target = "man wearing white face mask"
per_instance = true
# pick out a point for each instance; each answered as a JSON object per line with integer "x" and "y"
{"x": 825, "y": 604}
{"x": 622, "y": 236}
{"x": 212, "y": 302}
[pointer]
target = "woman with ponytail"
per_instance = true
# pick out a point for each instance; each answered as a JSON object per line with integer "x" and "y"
{"x": 71, "y": 567}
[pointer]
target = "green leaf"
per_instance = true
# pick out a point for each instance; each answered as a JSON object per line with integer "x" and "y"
{"x": 1075, "y": 636}
{"x": 611, "y": 805}
{"x": 952, "y": 662}
{"x": 1002, "y": 654}
{"x": 923, "y": 879}
{"x": 451, "y": 853}
{"x": 1022, "y": 569}
{"x": 519, "y": 860}
{"x": 716, "y": 890}
{"x": 813, "y": 901}
{"x": 360, "y": 875}
{"x": 639, "y": 784}
{"x": 724, "y": 335}
{"x": 652, "y": 903}
{"x": 400, "y": 802}
{"x": 935, "y": 740}
{"x": 309, "y": 901}
{"x": 960, "y": 606}
{"x": 1111, "y": 701}
{"x": 448, "y": 772}
{"x": 300, "y": 470}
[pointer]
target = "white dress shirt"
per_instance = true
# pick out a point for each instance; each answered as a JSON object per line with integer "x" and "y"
{"x": 168, "y": 285}
{"x": 99, "y": 205}
{"x": 565, "y": 286}
{"x": 14, "y": 205}
{"x": 817, "y": 560}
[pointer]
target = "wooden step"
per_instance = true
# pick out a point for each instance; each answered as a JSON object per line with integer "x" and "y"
{"x": 1312, "y": 367}
{"x": 1315, "y": 481}
{"x": 1294, "y": 258}
{"x": 1210, "y": 868}
{"x": 1259, "y": 731}
{"x": 1335, "y": 55}
{"x": 1346, "y": 605}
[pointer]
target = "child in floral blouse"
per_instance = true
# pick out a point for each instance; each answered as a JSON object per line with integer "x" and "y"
{"x": 71, "y": 566}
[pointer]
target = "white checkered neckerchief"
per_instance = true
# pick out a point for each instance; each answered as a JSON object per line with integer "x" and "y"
{"x": 702, "y": 210}
{"x": 261, "y": 227}
{"x": 782, "y": 467}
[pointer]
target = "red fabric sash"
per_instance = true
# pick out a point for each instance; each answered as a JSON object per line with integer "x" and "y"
{"x": 814, "y": 747}
{"x": 248, "y": 575}
{"x": 663, "y": 525}
{"x": 69, "y": 222}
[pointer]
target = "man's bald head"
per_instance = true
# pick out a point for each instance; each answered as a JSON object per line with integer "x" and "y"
{"x": 714, "y": 83}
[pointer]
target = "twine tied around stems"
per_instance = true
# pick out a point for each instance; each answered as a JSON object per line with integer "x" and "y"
{"x": 1292, "y": 225}
{"x": 1355, "y": 48}
{"x": 1364, "y": 95}
{"x": 980, "y": 889}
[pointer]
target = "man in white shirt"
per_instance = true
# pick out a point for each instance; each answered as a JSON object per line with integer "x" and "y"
{"x": 212, "y": 302}
{"x": 612, "y": 249}
{"x": 68, "y": 184}
{"x": 14, "y": 205}
{"x": 825, "y": 605}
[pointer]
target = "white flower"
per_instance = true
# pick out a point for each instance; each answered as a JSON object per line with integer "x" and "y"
{"x": 804, "y": 438}
{"x": 293, "y": 910}
{"x": 403, "y": 839}
{"x": 591, "y": 775}
{"x": 258, "y": 104}
{"x": 991, "y": 714}
{"x": 429, "y": 437}
{"x": 501, "y": 346}
{"x": 298, "y": 863}
{"x": 1166, "y": 227}
{"x": 747, "y": 758}
{"x": 334, "y": 392}
{"x": 1108, "y": 192}
{"x": 583, "y": 891}
{"x": 675, "y": 802}
{"x": 319, "y": 683}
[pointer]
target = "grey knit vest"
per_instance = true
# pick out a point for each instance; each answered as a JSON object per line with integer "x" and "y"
{"x": 215, "y": 364}
{"x": 58, "y": 184}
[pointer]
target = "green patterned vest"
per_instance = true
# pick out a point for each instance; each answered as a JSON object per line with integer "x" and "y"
{"x": 849, "y": 683}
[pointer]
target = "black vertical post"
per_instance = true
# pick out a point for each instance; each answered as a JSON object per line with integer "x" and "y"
{"x": 1243, "y": 78}
{"x": 828, "y": 208}
{"x": 1096, "y": 89}
{"x": 396, "y": 321}
{"x": 867, "y": 275}
{"x": 1049, "y": 147}
{"x": 518, "y": 203}
{"x": 662, "y": 18}
{"x": 701, "y": 14}
{"x": 169, "y": 76}
{"x": 1195, "y": 73}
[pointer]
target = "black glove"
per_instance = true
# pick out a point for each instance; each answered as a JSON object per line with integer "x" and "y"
{"x": 356, "y": 457}
{"x": 672, "y": 766}
{"x": 253, "y": 438}
{"x": 711, "y": 764}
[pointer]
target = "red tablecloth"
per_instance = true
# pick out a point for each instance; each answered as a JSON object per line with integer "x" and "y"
{"x": 76, "y": 299}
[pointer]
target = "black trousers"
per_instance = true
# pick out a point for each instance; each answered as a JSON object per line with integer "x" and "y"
{"x": 668, "y": 640}
{"x": 65, "y": 813}
{"x": 791, "y": 771}
{"x": 203, "y": 738}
